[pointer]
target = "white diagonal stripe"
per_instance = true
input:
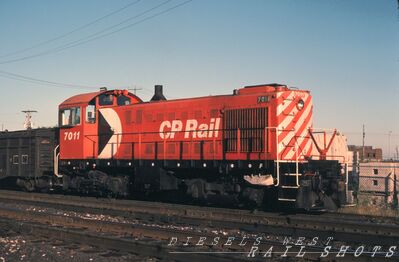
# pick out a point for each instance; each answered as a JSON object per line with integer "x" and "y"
{"x": 298, "y": 124}
{"x": 115, "y": 123}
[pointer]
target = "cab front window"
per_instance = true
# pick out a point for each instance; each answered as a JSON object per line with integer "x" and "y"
{"x": 106, "y": 100}
{"x": 123, "y": 100}
{"x": 70, "y": 116}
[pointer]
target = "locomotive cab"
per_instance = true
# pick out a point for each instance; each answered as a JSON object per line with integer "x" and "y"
{"x": 83, "y": 117}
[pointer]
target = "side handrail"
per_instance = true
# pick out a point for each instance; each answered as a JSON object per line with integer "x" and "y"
{"x": 239, "y": 131}
{"x": 56, "y": 157}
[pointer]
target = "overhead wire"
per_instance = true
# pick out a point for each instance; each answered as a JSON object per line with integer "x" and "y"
{"x": 76, "y": 42}
{"x": 116, "y": 25}
{"x": 28, "y": 79}
{"x": 33, "y": 80}
{"x": 24, "y": 78}
{"x": 83, "y": 41}
{"x": 70, "y": 32}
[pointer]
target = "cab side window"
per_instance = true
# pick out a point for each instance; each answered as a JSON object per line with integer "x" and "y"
{"x": 76, "y": 116}
{"x": 106, "y": 100}
{"x": 70, "y": 116}
{"x": 91, "y": 114}
{"x": 65, "y": 117}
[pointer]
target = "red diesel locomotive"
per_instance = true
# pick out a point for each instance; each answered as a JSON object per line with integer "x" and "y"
{"x": 256, "y": 146}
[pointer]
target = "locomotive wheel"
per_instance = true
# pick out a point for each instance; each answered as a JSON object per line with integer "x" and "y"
{"x": 29, "y": 186}
{"x": 253, "y": 197}
{"x": 196, "y": 190}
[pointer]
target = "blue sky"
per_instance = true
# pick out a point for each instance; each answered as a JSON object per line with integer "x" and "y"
{"x": 345, "y": 52}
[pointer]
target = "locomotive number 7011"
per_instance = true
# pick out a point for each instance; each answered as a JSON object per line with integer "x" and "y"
{"x": 72, "y": 135}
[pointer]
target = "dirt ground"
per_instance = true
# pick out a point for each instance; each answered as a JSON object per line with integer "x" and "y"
{"x": 16, "y": 247}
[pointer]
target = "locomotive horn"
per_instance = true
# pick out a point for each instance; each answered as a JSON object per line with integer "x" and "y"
{"x": 158, "y": 93}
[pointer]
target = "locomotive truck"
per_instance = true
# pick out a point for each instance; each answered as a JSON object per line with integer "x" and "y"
{"x": 255, "y": 146}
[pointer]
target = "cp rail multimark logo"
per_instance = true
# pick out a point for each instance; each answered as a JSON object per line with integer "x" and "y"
{"x": 191, "y": 128}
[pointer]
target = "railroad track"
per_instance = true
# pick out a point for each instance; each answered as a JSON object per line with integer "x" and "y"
{"x": 187, "y": 221}
{"x": 348, "y": 228}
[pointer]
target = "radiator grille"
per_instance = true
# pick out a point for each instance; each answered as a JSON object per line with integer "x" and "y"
{"x": 252, "y": 123}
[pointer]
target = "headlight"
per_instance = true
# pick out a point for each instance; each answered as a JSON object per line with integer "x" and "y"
{"x": 300, "y": 104}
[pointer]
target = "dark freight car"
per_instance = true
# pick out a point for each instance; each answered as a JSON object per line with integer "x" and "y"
{"x": 27, "y": 155}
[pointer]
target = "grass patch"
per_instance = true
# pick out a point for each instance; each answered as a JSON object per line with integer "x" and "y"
{"x": 370, "y": 210}
{"x": 371, "y": 205}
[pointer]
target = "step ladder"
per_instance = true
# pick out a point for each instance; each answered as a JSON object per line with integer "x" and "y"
{"x": 288, "y": 188}
{"x": 287, "y": 183}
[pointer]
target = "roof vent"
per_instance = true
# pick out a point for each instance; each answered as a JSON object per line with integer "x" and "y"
{"x": 102, "y": 89}
{"x": 275, "y": 85}
{"x": 158, "y": 93}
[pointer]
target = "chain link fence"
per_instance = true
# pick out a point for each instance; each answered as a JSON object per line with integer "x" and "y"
{"x": 375, "y": 183}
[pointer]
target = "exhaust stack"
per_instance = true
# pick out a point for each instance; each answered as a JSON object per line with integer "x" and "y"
{"x": 158, "y": 93}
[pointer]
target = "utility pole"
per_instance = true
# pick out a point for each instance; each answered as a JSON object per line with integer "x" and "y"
{"x": 363, "y": 152}
{"x": 28, "y": 118}
{"x": 389, "y": 144}
{"x": 395, "y": 190}
{"x": 135, "y": 89}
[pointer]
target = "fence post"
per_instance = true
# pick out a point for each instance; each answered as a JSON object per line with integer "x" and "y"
{"x": 395, "y": 192}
